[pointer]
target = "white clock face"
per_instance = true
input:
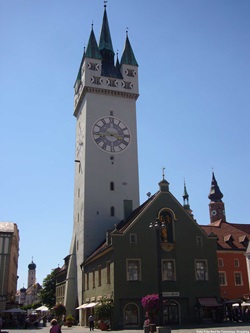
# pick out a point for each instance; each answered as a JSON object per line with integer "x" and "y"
{"x": 111, "y": 134}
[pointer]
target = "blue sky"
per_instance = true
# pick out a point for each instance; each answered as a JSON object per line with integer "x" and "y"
{"x": 192, "y": 114}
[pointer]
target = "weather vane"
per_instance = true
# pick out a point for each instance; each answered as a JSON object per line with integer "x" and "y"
{"x": 105, "y": 3}
{"x": 163, "y": 172}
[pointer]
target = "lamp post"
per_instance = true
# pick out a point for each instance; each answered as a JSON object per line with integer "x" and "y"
{"x": 157, "y": 225}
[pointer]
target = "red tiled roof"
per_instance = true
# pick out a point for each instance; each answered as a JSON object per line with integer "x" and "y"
{"x": 231, "y": 236}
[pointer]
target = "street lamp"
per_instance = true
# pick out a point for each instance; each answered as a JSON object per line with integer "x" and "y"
{"x": 158, "y": 226}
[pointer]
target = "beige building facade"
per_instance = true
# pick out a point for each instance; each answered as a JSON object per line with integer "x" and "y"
{"x": 9, "y": 253}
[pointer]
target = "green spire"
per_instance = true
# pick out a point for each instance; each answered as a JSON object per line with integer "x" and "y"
{"x": 92, "y": 48}
{"x": 105, "y": 42}
{"x": 128, "y": 56}
{"x": 185, "y": 198}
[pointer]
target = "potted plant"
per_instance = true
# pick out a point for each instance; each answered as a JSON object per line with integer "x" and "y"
{"x": 69, "y": 320}
{"x": 151, "y": 305}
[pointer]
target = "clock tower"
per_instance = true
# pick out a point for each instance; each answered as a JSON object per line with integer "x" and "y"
{"x": 216, "y": 205}
{"x": 106, "y": 186}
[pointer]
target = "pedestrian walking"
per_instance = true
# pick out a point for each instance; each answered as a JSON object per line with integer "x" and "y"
{"x": 91, "y": 323}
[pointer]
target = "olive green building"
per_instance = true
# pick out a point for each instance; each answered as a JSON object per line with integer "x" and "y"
{"x": 127, "y": 265}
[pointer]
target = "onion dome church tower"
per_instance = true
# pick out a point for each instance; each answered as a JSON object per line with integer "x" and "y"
{"x": 31, "y": 274}
{"x": 106, "y": 185}
{"x": 216, "y": 205}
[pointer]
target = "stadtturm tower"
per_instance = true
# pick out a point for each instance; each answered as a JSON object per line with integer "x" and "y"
{"x": 106, "y": 162}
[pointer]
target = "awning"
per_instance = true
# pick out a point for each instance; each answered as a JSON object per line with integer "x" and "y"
{"x": 86, "y": 305}
{"x": 82, "y": 306}
{"x": 91, "y": 305}
{"x": 242, "y": 304}
{"x": 208, "y": 301}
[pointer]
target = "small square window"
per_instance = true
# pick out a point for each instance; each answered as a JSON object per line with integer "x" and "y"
{"x": 199, "y": 241}
{"x": 236, "y": 263}
{"x": 133, "y": 239}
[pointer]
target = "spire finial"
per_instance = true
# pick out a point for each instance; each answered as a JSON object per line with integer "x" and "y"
{"x": 126, "y": 31}
{"x": 92, "y": 25}
{"x": 163, "y": 173}
{"x": 105, "y": 3}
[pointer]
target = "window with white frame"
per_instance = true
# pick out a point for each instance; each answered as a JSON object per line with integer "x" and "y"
{"x": 168, "y": 270}
{"x": 236, "y": 263}
{"x": 201, "y": 270}
{"x": 133, "y": 270}
{"x": 238, "y": 279}
{"x": 220, "y": 262}
{"x": 222, "y": 278}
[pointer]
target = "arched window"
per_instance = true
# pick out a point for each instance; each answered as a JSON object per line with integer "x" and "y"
{"x": 131, "y": 315}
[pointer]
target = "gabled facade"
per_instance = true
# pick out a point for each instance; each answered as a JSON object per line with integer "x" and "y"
{"x": 126, "y": 266}
{"x": 232, "y": 243}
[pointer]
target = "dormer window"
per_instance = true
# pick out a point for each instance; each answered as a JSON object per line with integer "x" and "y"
{"x": 243, "y": 240}
{"x": 228, "y": 238}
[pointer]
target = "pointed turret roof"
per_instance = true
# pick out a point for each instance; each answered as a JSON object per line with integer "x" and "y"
{"x": 215, "y": 194}
{"x": 92, "y": 48}
{"x": 128, "y": 56}
{"x": 185, "y": 197}
{"x": 105, "y": 42}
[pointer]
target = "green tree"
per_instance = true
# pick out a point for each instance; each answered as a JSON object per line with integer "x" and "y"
{"x": 104, "y": 309}
{"x": 48, "y": 293}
